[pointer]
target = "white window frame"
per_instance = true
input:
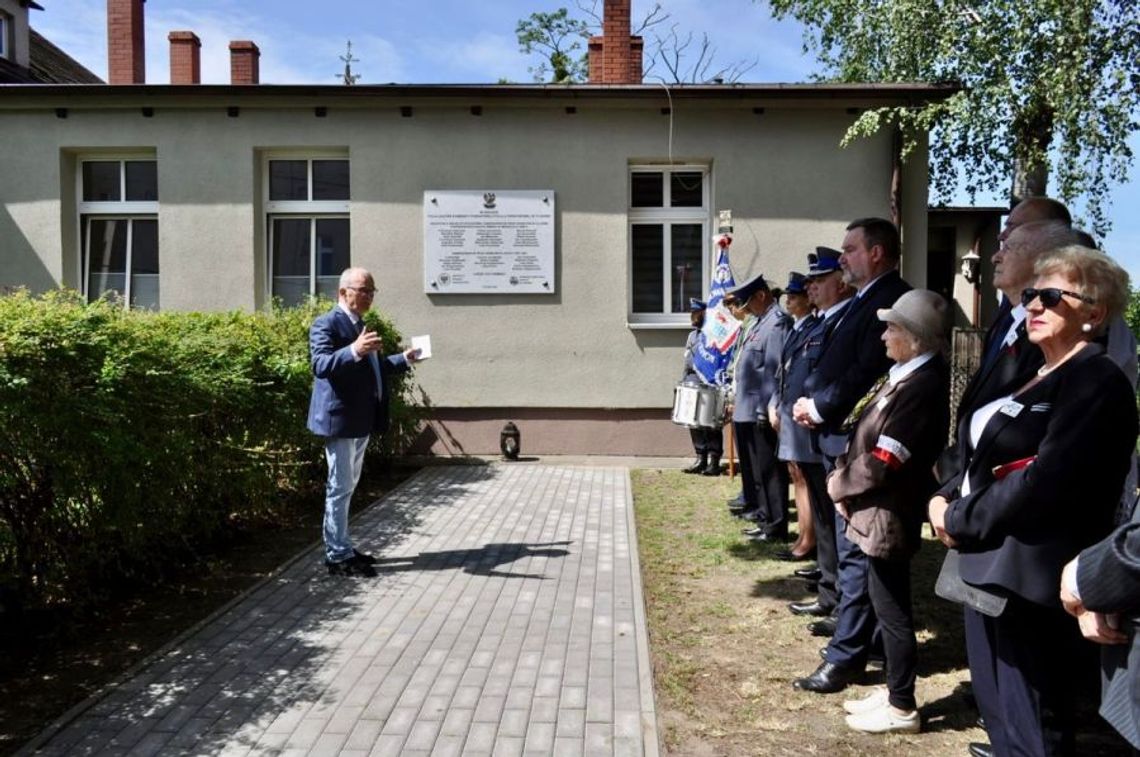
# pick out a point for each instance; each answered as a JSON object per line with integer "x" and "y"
{"x": 111, "y": 210}
{"x": 312, "y": 210}
{"x": 667, "y": 216}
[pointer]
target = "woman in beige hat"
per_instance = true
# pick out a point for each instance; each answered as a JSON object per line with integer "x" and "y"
{"x": 881, "y": 486}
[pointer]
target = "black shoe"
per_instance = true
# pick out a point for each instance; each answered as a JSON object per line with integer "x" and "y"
{"x": 353, "y": 566}
{"x": 828, "y": 678}
{"x": 808, "y": 574}
{"x": 736, "y": 503}
{"x": 813, "y": 608}
{"x": 876, "y": 661}
{"x": 750, "y": 515}
{"x": 697, "y": 466}
{"x": 752, "y": 531}
{"x": 788, "y": 555}
{"x": 771, "y": 537}
{"x": 981, "y": 722}
{"x": 822, "y": 627}
{"x": 978, "y": 749}
{"x": 364, "y": 557}
{"x": 713, "y": 468}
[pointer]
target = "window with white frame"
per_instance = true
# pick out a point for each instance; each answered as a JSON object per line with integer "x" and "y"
{"x": 668, "y": 233}
{"x": 118, "y": 212}
{"x": 307, "y": 204}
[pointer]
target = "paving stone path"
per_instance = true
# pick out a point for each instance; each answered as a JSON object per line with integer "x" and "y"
{"x": 507, "y": 619}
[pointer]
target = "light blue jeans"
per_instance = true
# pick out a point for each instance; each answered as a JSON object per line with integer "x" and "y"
{"x": 346, "y": 459}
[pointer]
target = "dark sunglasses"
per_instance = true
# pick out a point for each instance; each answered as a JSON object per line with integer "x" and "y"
{"x": 1051, "y": 297}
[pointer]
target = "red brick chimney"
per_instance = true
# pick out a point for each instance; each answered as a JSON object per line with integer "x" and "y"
{"x": 185, "y": 58}
{"x": 244, "y": 66}
{"x": 615, "y": 56}
{"x": 126, "y": 44}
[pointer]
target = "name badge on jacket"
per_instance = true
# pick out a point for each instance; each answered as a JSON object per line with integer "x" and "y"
{"x": 1012, "y": 409}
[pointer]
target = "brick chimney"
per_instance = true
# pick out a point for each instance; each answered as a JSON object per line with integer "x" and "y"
{"x": 185, "y": 58}
{"x": 615, "y": 56}
{"x": 244, "y": 66}
{"x": 126, "y": 44}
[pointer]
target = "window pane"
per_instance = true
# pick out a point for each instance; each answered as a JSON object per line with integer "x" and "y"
{"x": 645, "y": 189}
{"x": 106, "y": 246}
{"x": 144, "y": 246}
{"x": 101, "y": 181}
{"x": 686, "y": 264}
{"x": 142, "y": 180}
{"x": 288, "y": 180}
{"x": 685, "y": 189}
{"x": 648, "y": 277}
{"x": 332, "y": 254}
{"x": 290, "y": 257}
{"x": 291, "y": 247}
{"x": 330, "y": 179}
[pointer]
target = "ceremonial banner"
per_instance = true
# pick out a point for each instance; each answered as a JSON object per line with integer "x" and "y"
{"x": 710, "y": 358}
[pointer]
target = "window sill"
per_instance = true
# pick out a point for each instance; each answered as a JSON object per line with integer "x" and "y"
{"x": 650, "y": 326}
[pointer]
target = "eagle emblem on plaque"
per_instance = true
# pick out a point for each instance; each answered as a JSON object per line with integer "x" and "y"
{"x": 489, "y": 200}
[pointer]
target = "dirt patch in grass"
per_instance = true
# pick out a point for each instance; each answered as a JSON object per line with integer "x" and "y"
{"x": 725, "y": 649}
{"x": 50, "y": 662}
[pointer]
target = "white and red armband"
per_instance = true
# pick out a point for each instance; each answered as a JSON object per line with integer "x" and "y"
{"x": 891, "y": 451}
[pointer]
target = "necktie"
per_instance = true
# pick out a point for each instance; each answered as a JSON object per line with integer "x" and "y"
{"x": 372, "y": 360}
{"x": 997, "y": 338}
{"x": 857, "y": 412}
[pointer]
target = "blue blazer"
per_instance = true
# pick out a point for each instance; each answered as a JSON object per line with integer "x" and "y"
{"x": 853, "y": 357}
{"x": 754, "y": 378}
{"x": 1016, "y": 532}
{"x": 1108, "y": 576}
{"x": 345, "y": 403}
{"x": 1011, "y": 369}
{"x": 795, "y": 440}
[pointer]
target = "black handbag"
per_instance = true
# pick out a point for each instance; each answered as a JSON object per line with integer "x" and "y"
{"x": 951, "y": 586}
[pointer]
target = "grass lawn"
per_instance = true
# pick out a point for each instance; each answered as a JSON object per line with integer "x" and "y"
{"x": 725, "y": 649}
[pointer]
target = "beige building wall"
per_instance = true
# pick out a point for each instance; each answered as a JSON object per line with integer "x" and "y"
{"x": 781, "y": 172}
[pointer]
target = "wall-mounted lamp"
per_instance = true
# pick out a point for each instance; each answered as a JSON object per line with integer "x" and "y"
{"x": 971, "y": 267}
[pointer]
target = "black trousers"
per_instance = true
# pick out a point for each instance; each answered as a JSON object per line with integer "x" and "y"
{"x": 771, "y": 481}
{"x": 746, "y": 444}
{"x": 707, "y": 441}
{"x": 823, "y": 515}
{"x": 1023, "y": 668}
{"x": 888, "y": 583}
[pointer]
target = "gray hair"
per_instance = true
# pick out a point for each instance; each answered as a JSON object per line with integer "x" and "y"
{"x": 348, "y": 274}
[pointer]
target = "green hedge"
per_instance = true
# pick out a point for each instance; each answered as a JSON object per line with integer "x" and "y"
{"x": 130, "y": 438}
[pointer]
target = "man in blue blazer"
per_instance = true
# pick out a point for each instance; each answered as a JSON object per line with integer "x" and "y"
{"x": 754, "y": 379}
{"x": 1101, "y": 588}
{"x": 852, "y": 359}
{"x": 349, "y": 403}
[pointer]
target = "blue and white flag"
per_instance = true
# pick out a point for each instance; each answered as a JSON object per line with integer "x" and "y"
{"x": 714, "y": 343}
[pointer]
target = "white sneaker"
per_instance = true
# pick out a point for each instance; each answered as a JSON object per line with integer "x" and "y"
{"x": 873, "y": 701}
{"x": 885, "y": 720}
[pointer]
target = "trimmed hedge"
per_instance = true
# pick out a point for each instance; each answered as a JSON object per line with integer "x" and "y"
{"x": 129, "y": 437}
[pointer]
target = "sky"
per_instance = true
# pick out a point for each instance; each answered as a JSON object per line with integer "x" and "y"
{"x": 454, "y": 42}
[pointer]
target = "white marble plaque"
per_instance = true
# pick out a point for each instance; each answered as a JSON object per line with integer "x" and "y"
{"x": 489, "y": 241}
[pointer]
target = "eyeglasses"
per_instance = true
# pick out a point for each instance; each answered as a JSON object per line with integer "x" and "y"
{"x": 369, "y": 291}
{"x": 1051, "y": 296}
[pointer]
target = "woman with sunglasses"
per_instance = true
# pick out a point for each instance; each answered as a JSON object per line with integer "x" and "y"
{"x": 1045, "y": 469}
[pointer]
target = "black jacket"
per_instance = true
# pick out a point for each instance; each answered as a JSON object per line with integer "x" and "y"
{"x": 852, "y": 358}
{"x": 1017, "y": 532}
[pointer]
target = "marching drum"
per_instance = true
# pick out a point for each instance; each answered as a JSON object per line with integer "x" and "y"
{"x": 698, "y": 406}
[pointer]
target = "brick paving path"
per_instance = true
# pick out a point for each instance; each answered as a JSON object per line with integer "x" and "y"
{"x": 507, "y": 619}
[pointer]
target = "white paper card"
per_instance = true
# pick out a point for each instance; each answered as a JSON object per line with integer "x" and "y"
{"x": 423, "y": 344}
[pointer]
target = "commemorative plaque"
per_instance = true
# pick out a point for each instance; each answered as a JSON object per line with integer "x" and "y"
{"x": 489, "y": 241}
